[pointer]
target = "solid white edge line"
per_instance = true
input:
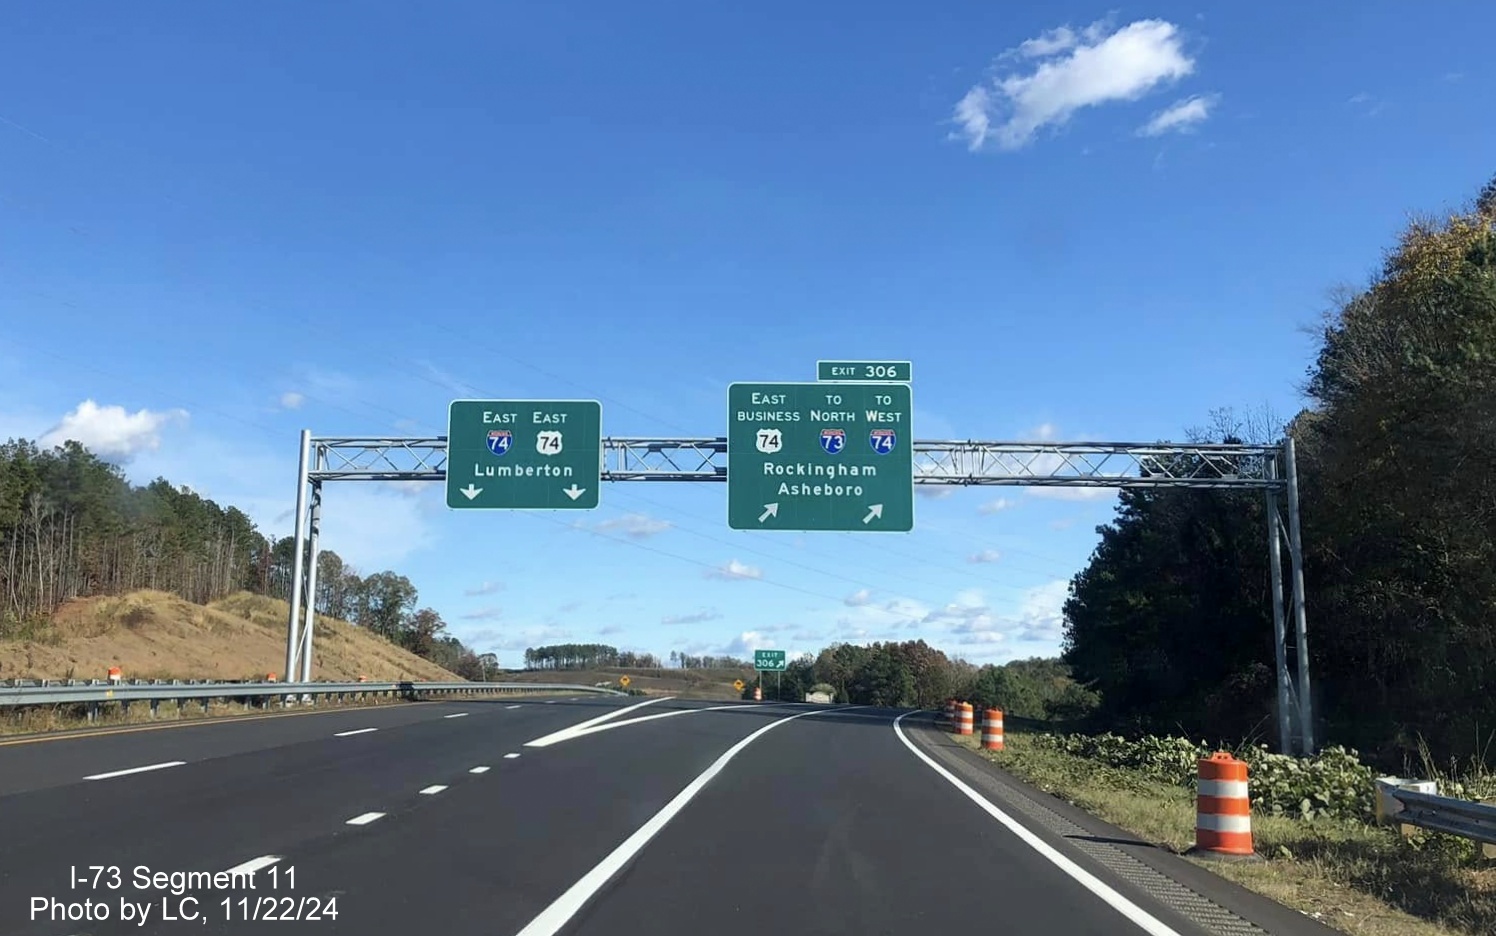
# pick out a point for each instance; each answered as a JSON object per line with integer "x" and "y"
{"x": 365, "y": 819}
{"x": 253, "y": 865}
{"x": 479, "y": 770}
{"x": 571, "y": 731}
{"x": 551, "y": 920}
{"x": 456, "y": 715}
{"x": 134, "y": 770}
{"x": 345, "y": 734}
{"x": 1142, "y": 918}
{"x": 433, "y": 789}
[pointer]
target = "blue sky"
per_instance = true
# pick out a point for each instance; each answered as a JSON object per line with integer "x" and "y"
{"x": 220, "y": 224}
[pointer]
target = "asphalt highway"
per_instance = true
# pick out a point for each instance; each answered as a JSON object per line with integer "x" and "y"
{"x": 589, "y": 815}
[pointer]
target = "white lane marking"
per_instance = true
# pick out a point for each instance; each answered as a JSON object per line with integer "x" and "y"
{"x": 366, "y": 818}
{"x": 550, "y": 701}
{"x": 1142, "y": 918}
{"x": 456, "y": 715}
{"x": 345, "y": 734}
{"x": 511, "y": 707}
{"x": 253, "y": 865}
{"x": 584, "y": 729}
{"x": 479, "y": 770}
{"x": 433, "y": 790}
{"x": 134, "y": 770}
{"x": 565, "y": 733}
{"x": 510, "y": 756}
{"x": 563, "y": 908}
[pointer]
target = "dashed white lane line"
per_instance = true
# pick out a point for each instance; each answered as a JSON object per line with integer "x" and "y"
{"x": 456, "y": 715}
{"x": 366, "y": 818}
{"x": 1137, "y": 915}
{"x": 550, "y": 701}
{"x": 510, "y": 756}
{"x": 511, "y": 707}
{"x": 252, "y": 865}
{"x": 134, "y": 770}
{"x": 345, "y": 734}
{"x": 563, "y": 908}
{"x": 433, "y": 790}
{"x": 479, "y": 770}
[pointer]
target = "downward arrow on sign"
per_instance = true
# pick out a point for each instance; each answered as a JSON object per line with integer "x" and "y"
{"x": 471, "y": 491}
{"x": 574, "y": 492}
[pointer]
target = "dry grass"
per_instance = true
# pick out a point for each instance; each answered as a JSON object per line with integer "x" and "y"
{"x": 153, "y": 635}
{"x": 1358, "y": 878}
{"x": 713, "y": 684}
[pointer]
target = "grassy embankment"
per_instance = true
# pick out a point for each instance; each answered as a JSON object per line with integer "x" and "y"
{"x": 1352, "y": 875}
{"x": 152, "y": 635}
{"x": 704, "y": 684}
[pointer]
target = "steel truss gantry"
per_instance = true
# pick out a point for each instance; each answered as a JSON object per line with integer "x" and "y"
{"x": 1268, "y": 468}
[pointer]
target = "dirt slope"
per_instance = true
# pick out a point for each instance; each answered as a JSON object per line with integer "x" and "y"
{"x": 684, "y": 684}
{"x": 152, "y": 635}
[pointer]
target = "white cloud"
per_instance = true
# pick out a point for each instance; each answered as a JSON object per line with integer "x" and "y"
{"x": 112, "y": 433}
{"x": 487, "y": 588}
{"x": 993, "y": 506}
{"x": 1074, "y": 70}
{"x": 408, "y": 488}
{"x": 745, "y": 643}
{"x": 1181, "y": 116}
{"x": 986, "y": 555}
{"x": 858, "y": 598}
{"x": 483, "y": 614}
{"x": 635, "y": 525}
{"x": 612, "y": 629}
{"x": 734, "y": 569}
{"x": 1073, "y": 493}
{"x": 1041, "y": 614}
{"x": 697, "y": 617}
{"x": 291, "y": 400}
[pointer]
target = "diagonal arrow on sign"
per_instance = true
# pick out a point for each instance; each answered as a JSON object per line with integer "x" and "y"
{"x": 874, "y": 512}
{"x": 770, "y": 510}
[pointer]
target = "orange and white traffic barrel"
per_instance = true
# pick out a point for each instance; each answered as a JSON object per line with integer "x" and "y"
{"x": 115, "y": 675}
{"x": 992, "y": 730}
{"x": 1223, "y": 806}
{"x": 950, "y": 714}
{"x": 966, "y": 719}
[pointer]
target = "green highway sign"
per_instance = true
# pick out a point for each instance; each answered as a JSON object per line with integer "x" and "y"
{"x": 891, "y": 371}
{"x": 770, "y": 661}
{"x": 524, "y": 454}
{"x": 820, "y": 456}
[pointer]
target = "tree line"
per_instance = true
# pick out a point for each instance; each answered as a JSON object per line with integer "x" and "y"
{"x": 1170, "y": 620}
{"x": 587, "y": 656}
{"x": 912, "y": 674}
{"x": 72, "y": 526}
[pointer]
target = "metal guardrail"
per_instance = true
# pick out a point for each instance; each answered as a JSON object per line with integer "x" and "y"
{"x": 98, "y": 692}
{"x": 1465, "y": 818}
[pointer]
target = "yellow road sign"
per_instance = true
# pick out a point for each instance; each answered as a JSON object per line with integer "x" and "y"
{"x": 738, "y": 685}
{"x": 624, "y": 681}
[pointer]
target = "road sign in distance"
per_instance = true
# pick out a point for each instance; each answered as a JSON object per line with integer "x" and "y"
{"x": 770, "y": 661}
{"x": 738, "y": 684}
{"x": 524, "y": 454}
{"x": 892, "y": 371}
{"x": 624, "y": 681}
{"x": 820, "y": 456}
